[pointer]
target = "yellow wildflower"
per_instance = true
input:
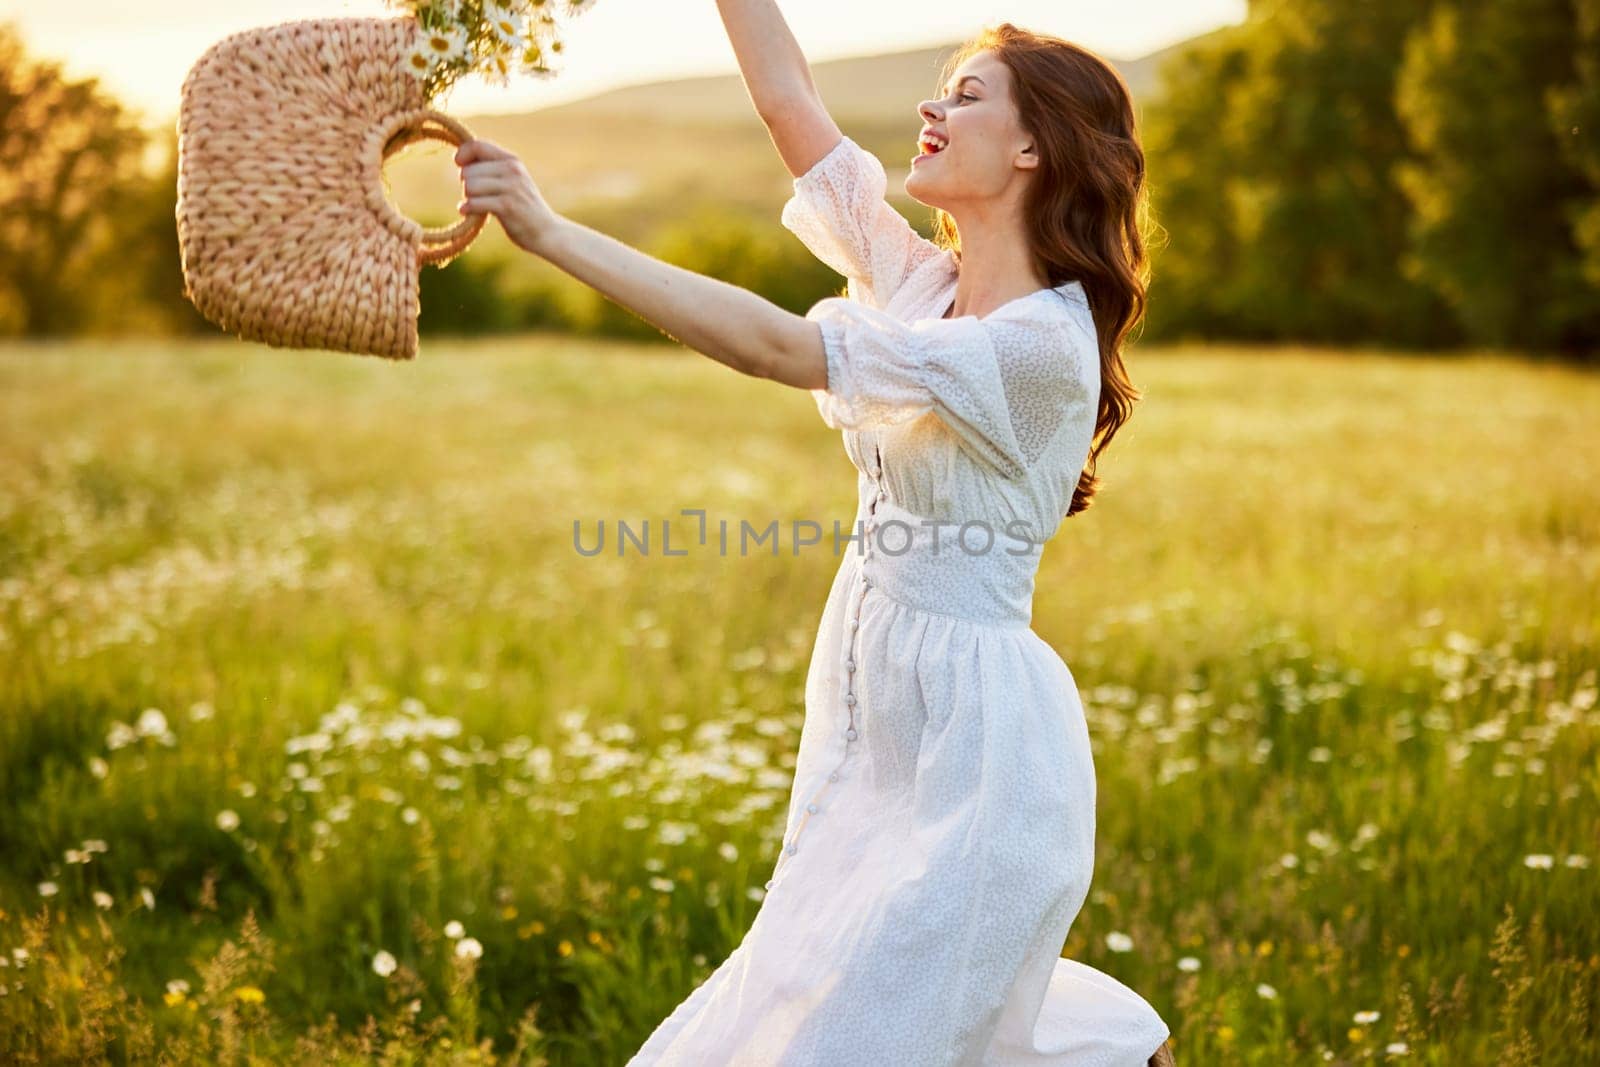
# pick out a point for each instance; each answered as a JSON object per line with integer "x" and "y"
{"x": 249, "y": 994}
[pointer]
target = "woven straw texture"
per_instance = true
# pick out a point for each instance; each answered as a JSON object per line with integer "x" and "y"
{"x": 284, "y": 228}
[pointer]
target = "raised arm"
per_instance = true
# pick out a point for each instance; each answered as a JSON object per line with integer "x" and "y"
{"x": 778, "y": 79}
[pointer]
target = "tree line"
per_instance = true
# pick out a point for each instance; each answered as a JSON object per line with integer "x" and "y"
{"x": 1417, "y": 173}
{"x": 1410, "y": 172}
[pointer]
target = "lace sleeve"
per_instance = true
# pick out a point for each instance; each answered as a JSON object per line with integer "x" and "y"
{"x": 1006, "y": 385}
{"x": 839, "y": 212}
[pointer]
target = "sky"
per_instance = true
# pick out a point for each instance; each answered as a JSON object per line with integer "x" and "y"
{"x": 142, "y": 50}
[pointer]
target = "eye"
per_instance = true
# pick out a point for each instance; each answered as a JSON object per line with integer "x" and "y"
{"x": 968, "y": 96}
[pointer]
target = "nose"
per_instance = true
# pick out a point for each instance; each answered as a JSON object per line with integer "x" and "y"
{"x": 929, "y": 110}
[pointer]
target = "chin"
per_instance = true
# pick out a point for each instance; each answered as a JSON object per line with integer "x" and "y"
{"x": 916, "y": 191}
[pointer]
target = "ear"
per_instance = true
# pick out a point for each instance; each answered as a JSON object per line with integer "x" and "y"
{"x": 1028, "y": 158}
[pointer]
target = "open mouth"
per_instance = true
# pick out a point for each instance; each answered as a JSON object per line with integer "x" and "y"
{"x": 929, "y": 145}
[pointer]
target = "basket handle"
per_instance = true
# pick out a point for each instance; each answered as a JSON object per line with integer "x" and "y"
{"x": 444, "y": 242}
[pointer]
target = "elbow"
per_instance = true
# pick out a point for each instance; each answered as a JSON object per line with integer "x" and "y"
{"x": 795, "y": 355}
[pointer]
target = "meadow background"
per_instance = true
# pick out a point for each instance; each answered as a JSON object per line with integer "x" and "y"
{"x": 321, "y": 743}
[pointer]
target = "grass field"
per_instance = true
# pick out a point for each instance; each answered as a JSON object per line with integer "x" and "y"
{"x": 321, "y": 742}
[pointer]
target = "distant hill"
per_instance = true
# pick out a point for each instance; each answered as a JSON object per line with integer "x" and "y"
{"x": 873, "y": 89}
{"x": 700, "y": 142}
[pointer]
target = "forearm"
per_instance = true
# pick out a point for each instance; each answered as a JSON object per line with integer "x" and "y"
{"x": 770, "y": 59}
{"x": 729, "y": 324}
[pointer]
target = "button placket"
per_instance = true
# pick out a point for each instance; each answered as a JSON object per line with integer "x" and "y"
{"x": 851, "y": 733}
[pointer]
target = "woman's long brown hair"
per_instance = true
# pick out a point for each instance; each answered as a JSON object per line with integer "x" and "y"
{"x": 1089, "y": 201}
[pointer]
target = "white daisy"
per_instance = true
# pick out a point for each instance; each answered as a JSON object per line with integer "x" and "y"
{"x": 417, "y": 63}
{"x": 443, "y": 46}
{"x": 506, "y": 24}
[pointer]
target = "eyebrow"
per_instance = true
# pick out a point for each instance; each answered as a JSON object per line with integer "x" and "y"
{"x": 971, "y": 77}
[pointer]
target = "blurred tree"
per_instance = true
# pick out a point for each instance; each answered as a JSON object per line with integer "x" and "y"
{"x": 151, "y": 263}
{"x": 70, "y": 161}
{"x": 1495, "y": 189}
{"x": 1271, "y": 156}
{"x": 1575, "y": 114}
{"x": 463, "y": 297}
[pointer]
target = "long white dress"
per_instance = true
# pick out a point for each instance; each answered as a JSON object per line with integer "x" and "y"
{"x": 940, "y": 834}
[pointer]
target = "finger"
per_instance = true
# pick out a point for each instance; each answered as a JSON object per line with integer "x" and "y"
{"x": 479, "y": 149}
{"x": 486, "y": 168}
{"x": 483, "y": 185}
{"x": 478, "y": 205}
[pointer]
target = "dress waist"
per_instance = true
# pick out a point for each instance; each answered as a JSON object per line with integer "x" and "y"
{"x": 976, "y": 570}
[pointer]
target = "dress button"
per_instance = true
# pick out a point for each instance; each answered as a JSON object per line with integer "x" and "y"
{"x": 790, "y": 850}
{"x": 834, "y": 777}
{"x": 850, "y": 734}
{"x": 769, "y": 883}
{"x": 855, "y": 623}
{"x": 883, "y": 494}
{"x": 849, "y": 664}
{"x": 850, "y": 699}
{"x": 812, "y": 808}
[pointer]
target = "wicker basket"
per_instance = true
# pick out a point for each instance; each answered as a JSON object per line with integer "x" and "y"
{"x": 286, "y": 233}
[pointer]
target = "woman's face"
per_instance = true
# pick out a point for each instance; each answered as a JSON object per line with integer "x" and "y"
{"x": 986, "y": 150}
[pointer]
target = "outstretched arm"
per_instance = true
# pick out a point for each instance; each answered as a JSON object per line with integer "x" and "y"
{"x": 778, "y": 80}
{"x": 729, "y": 324}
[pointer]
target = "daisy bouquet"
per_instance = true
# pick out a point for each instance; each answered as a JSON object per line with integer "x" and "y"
{"x": 492, "y": 38}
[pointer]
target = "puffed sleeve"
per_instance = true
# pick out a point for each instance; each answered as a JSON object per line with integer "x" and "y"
{"x": 1005, "y": 385}
{"x": 839, "y": 212}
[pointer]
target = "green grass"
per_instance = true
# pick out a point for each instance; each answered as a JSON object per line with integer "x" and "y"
{"x": 1334, "y": 607}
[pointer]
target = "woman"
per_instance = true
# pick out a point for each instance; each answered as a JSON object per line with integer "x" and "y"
{"x": 940, "y": 834}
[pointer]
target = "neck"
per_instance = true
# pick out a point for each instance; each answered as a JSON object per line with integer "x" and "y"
{"x": 996, "y": 266}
